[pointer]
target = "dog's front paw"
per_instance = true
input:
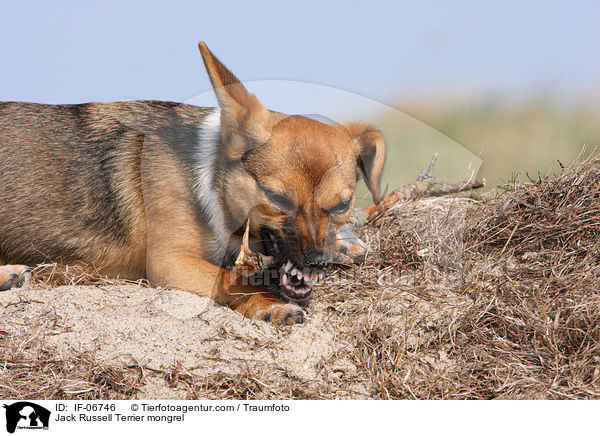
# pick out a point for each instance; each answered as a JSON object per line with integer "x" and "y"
{"x": 14, "y": 276}
{"x": 268, "y": 307}
{"x": 286, "y": 314}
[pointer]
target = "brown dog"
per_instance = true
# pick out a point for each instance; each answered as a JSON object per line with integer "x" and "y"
{"x": 163, "y": 190}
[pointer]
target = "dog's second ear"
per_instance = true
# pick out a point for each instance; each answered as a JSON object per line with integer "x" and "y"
{"x": 370, "y": 154}
{"x": 241, "y": 111}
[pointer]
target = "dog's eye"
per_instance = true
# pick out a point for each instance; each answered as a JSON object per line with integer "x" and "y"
{"x": 341, "y": 207}
{"x": 279, "y": 200}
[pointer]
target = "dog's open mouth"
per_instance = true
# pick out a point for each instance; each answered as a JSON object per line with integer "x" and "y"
{"x": 294, "y": 285}
{"x": 297, "y": 285}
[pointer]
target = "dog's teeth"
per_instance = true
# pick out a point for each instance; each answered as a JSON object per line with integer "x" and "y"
{"x": 299, "y": 274}
{"x": 284, "y": 279}
{"x": 288, "y": 266}
{"x": 308, "y": 278}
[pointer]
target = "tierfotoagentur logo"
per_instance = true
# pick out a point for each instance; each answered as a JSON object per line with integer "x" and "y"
{"x": 25, "y": 415}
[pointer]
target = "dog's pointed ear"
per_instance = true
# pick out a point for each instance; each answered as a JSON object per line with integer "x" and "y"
{"x": 239, "y": 108}
{"x": 370, "y": 154}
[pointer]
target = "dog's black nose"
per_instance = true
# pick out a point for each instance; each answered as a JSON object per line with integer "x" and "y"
{"x": 316, "y": 258}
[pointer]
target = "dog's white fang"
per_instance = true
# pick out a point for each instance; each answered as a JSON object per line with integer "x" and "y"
{"x": 206, "y": 153}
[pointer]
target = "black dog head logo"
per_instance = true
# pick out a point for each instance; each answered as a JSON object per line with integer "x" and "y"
{"x": 26, "y": 414}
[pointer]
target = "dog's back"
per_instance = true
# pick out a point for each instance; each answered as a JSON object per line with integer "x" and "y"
{"x": 70, "y": 179}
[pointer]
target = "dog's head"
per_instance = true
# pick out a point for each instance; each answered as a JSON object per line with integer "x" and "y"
{"x": 292, "y": 177}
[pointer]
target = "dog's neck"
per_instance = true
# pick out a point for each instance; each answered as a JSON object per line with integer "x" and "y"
{"x": 205, "y": 165}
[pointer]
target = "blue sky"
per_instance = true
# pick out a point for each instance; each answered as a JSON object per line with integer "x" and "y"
{"x": 71, "y": 51}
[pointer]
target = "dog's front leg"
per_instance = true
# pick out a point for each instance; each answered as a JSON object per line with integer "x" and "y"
{"x": 173, "y": 258}
{"x": 195, "y": 275}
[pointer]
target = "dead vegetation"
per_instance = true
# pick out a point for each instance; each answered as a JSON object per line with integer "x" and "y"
{"x": 528, "y": 275}
{"x": 535, "y": 332}
{"x": 27, "y": 375}
{"x": 457, "y": 299}
{"x": 55, "y": 274}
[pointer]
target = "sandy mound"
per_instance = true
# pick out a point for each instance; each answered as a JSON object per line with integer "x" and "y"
{"x": 161, "y": 329}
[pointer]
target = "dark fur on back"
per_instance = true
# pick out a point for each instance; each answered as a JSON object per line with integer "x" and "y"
{"x": 70, "y": 174}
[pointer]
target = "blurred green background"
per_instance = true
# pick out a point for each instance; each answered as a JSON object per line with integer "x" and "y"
{"x": 491, "y": 138}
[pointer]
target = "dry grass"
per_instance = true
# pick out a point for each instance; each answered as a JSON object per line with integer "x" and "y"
{"x": 458, "y": 299}
{"x": 534, "y": 332}
{"x": 30, "y": 371}
{"x": 55, "y": 274}
{"x": 249, "y": 385}
{"x": 529, "y": 327}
